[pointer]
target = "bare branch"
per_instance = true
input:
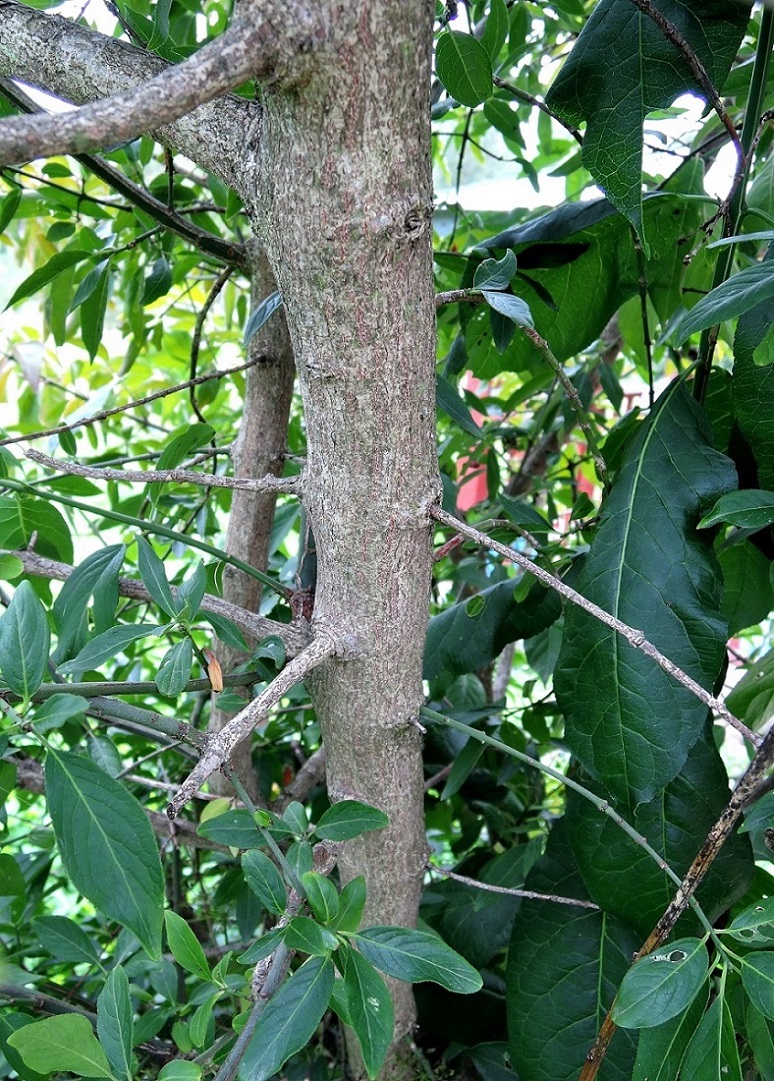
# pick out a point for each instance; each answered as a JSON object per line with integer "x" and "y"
{"x": 219, "y": 747}
{"x": 161, "y": 476}
{"x": 634, "y": 637}
{"x": 254, "y": 46}
{"x": 293, "y": 636}
{"x": 511, "y": 891}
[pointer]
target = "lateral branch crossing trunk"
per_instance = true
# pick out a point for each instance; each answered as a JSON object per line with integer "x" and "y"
{"x": 343, "y": 203}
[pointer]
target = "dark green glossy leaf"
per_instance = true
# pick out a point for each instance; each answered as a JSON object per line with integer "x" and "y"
{"x": 464, "y": 763}
{"x": 748, "y": 591}
{"x": 97, "y": 577}
{"x": 748, "y": 509}
{"x": 93, "y": 310}
{"x": 12, "y": 882}
{"x": 622, "y": 878}
{"x": 233, "y": 828}
{"x": 322, "y": 896}
{"x": 265, "y": 881}
{"x": 304, "y": 934}
{"x": 464, "y": 639}
{"x": 416, "y": 956}
{"x": 628, "y": 722}
{"x": 158, "y": 281}
{"x": 496, "y": 28}
{"x": 106, "y": 646}
{"x": 24, "y": 642}
{"x": 21, "y": 517}
{"x": 448, "y": 400}
{"x": 712, "y": 1053}
{"x": 262, "y": 946}
{"x": 753, "y": 386}
{"x": 753, "y": 696}
{"x": 175, "y": 668}
{"x": 185, "y": 946}
{"x": 758, "y": 980}
{"x": 289, "y": 1020}
{"x": 352, "y": 901}
{"x": 622, "y": 67}
{"x": 660, "y": 1050}
{"x": 661, "y": 985}
{"x": 349, "y": 818}
{"x": 463, "y": 66}
{"x": 115, "y": 1023}
{"x": 564, "y": 967}
{"x": 512, "y": 307}
{"x": 732, "y": 298}
{"x": 65, "y": 940}
{"x": 760, "y": 1036}
{"x": 57, "y": 710}
{"x": 755, "y": 924}
{"x": 154, "y": 577}
{"x": 8, "y": 207}
{"x": 368, "y": 1008}
{"x": 495, "y": 273}
{"x": 227, "y": 631}
{"x": 183, "y": 445}
{"x": 107, "y": 845}
{"x": 190, "y": 593}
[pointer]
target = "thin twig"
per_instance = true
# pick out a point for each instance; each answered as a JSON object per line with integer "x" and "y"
{"x": 512, "y": 892}
{"x": 634, "y": 637}
{"x": 295, "y": 636}
{"x": 163, "y": 476}
{"x": 219, "y": 747}
{"x": 530, "y": 99}
{"x": 196, "y": 338}
{"x": 105, "y": 413}
{"x": 694, "y": 876}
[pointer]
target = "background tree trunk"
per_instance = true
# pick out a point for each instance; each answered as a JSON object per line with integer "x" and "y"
{"x": 260, "y": 450}
{"x": 343, "y": 200}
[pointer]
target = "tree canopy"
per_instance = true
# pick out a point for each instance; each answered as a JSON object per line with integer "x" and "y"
{"x": 386, "y": 578}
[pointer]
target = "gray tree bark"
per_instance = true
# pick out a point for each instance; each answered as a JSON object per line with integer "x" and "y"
{"x": 335, "y": 173}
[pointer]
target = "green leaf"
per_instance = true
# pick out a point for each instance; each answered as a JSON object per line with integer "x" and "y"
{"x": 448, "y": 400}
{"x": 627, "y": 721}
{"x": 289, "y": 1020}
{"x": 24, "y": 642}
{"x": 463, "y": 66}
{"x": 352, "y": 901}
{"x": 115, "y": 1024}
{"x": 158, "y": 281}
{"x": 416, "y": 956}
{"x": 41, "y": 277}
{"x": 106, "y": 646}
{"x": 175, "y": 669}
{"x": 495, "y": 274}
{"x": 495, "y": 28}
{"x": 758, "y": 980}
{"x": 56, "y": 1044}
{"x": 107, "y": 845}
{"x": 660, "y": 986}
{"x": 265, "y": 881}
{"x": 183, "y": 445}
{"x": 761, "y": 1039}
{"x": 154, "y": 577}
{"x": 93, "y": 311}
{"x": 464, "y": 763}
{"x": 258, "y": 316}
{"x": 180, "y": 1070}
{"x": 462, "y": 639}
{"x": 751, "y": 508}
{"x": 368, "y": 1008}
{"x": 564, "y": 966}
{"x": 190, "y": 593}
{"x": 12, "y": 882}
{"x": 513, "y": 308}
{"x": 227, "y": 631}
{"x": 22, "y": 516}
{"x": 660, "y": 1050}
{"x": 626, "y": 881}
{"x": 322, "y": 896}
{"x": 57, "y": 710}
{"x": 304, "y": 934}
{"x": 748, "y": 592}
{"x": 65, "y": 940}
{"x": 731, "y": 298}
{"x": 622, "y": 67}
{"x": 712, "y": 1053}
{"x": 233, "y": 828}
{"x": 349, "y": 818}
{"x": 185, "y": 946}
{"x": 10, "y": 567}
{"x": 753, "y": 386}
{"x": 97, "y": 577}
{"x": 262, "y": 946}
{"x": 752, "y": 699}
{"x": 8, "y": 207}
{"x": 755, "y": 924}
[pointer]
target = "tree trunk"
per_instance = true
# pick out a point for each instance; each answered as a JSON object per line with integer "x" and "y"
{"x": 259, "y": 450}
{"x": 344, "y": 192}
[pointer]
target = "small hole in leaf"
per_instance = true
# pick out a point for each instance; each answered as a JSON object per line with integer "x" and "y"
{"x": 677, "y": 955}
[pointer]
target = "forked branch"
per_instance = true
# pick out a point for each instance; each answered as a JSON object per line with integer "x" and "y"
{"x": 220, "y": 746}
